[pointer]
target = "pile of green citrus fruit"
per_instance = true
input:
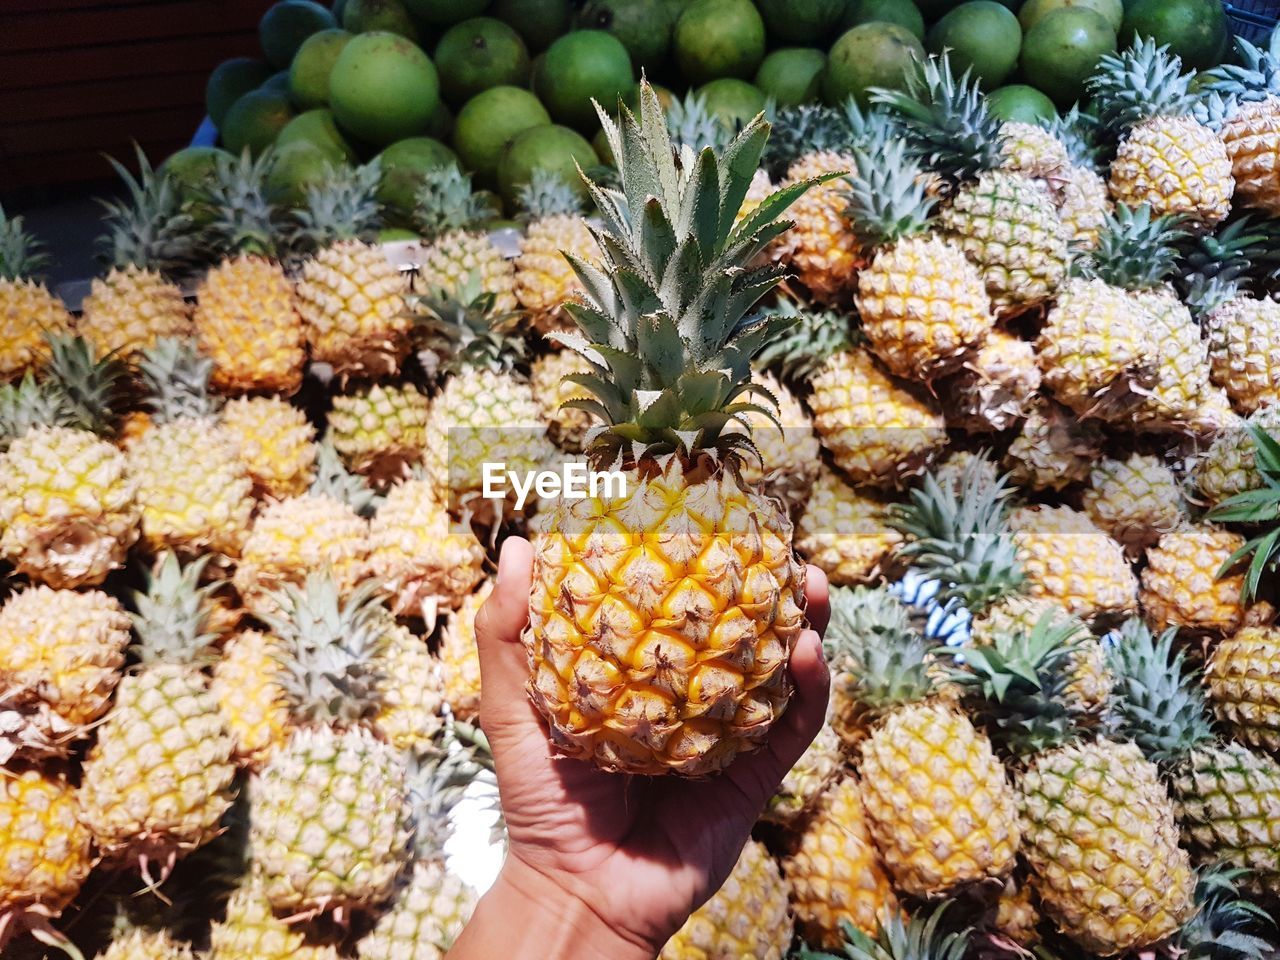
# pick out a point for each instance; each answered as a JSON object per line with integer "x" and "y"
{"x": 503, "y": 87}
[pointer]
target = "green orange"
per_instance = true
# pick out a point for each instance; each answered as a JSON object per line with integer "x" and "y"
{"x": 286, "y": 24}
{"x": 404, "y": 167}
{"x": 556, "y": 149}
{"x": 539, "y": 22}
{"x": 491, "y": 120}
{"x": 383, "y": 88}
{"x": 792, "y": 75}
{"x": 801, "y": 22}
{"x": 387, "y": 16}
{"x": 876, "y": 54}
{"x": 983, "y": 36}
{"x": 582, "y": 66}
{"x": 1017, "y": 101}
{"x": 231, "y": 80}
{"x": 1062, "y": 50}
{"x": 1031, "y": 12}
{"x": 902, "y": 12}
{"x": 318, "y": 128}
{"x": 477, "y": 54}
{"x": 1196, "y": 30}
{"x": 309, "y": 74}
{"x": 719, "y": 38}
{"x": 254, "y": 121}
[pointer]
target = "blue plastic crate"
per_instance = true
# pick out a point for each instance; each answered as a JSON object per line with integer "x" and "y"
{"x": 1253, "y": 19}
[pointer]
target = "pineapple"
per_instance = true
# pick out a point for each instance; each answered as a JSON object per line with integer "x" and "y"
{"x": 28, "y": 311}
{"x": 275, "y": 441}
{"x": 1053, "y": 449}
{"x": 60, "y": 659}
{"x": 786, "y": 442}
{"x": 1227, "y": 797}
{"x": 460, "y": 256}
{"x": 460, "y": 657}
{"x": 68, "y": 504}
{"x": 424, "y": 561}
{"x": 194, "y": 489}
{"x": 822, "y": 248}
{"x": 818, "y": 767}
{"x": 1083, "y": 206}
{"x": 623, "y": 703}
{"x": 1244, "y": 351}
{"x": 1243, "y": 680}
{"x": 1098, "y": 827}
{"x": 834, "y": 871}
{"x": 1017, "y": 914}
{"x": 151, "y": 241}
{"x": 380, "y": 430}
{"x": 844, "y": 532}
{"x": 996, "y": 386}
{"x": 1250, "y": 127}
{"x": 250, "y": 931}
{"x": 1182, "y": 585}
{"x": 937, "y": 803}
{"x": 1136, "y": 500}
{"x": 747, "y": 917}
{"x": 545, "y": 277}
{"x": 1229, "y": 467}
{"x": 159, "y": 778}
{"x": 246, "y": 314}
{"x": 1167, "y": 158}
{"x": 350, "y": 296}
{"x": 249, "y": 688}
{"x": 1033, "y": 150}
{"x": 147, "y": 945}
{"x": 567, "y": 426}
{"x": 1004, "y": 221}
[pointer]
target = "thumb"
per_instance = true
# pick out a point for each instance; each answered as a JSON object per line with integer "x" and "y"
{"x": 503, "y": 665}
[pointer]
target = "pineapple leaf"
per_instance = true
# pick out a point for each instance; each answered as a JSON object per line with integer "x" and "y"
{"x": 152, "y": 229}
{"x": 22, "y": 257}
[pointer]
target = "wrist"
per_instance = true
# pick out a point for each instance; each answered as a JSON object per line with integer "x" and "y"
{"x": 526, "y": 915}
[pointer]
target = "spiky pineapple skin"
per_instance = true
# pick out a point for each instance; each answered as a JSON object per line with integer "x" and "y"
{"x": 691, "y": 703}
{"x": 1244, "y": 352}
{"x": 429, "y": 911}
{"x": 351, "y": 299}
{"x": 410, "y": 691}
{"x": 1252, "y": 138}
{"x": 1099, "y": 833}
{"x": 1178, "y": 166}
{"x": 460, "y": 657}
{"x": 379, "y": 429}
{"x": 1052, "y": 449}
{"x": 275, "y": 441}
{"x": 247, "y": 321}
{"x": 835, "y": 872}
{"x": 147, "y": 945}
{"x": 747, "y": 917}
{"x": 923, "y": 305}
{"x": 1032, "y": 150}
{"x": 937, "y": 802}
{"x": 329, "y": 822}
{"x": 1243, "y": 681}
{"x": 247, "y": 685}
{"x": 1230, "y": 466}
{"x": 995, "y": 387}
{"x": 544, "y": 278}
{"x": 1136, "y": 500}
{"x": 250, "y": 931}
{"x": 1181, "y": 586}
{"x": 817, "y": 768}
{"x": 45, "y": 851}
{"x": 68, "y": 508}
{"x": 822, "y": 247}
{"x": 130, "y": 309}
{"x": 1017, "y": 916}
{"x": 27, "y": 312}
{"x": 460, "y": 256}
{"x": 1083, "y": 205}
{"x": 1182, "y": 370}
{"x": 158, "y": 779}
{"x": 566, "y": 426}
{"x": 878, "y": 431}
{"x": 844, "y": 532}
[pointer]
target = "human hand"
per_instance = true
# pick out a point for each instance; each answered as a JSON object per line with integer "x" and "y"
{"x": 616, "y": 862}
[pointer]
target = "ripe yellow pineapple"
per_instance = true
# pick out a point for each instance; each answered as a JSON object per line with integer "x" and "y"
{"x": 737, "y": 596}
{"x": 1252, "y": 138}
{"x": 1136, "y": 500}
{"x": 995, "y": 387}
{"x": 275, "y": 441}
{"x": 819, "y": 765}
{"x": 250, "y": 693}
{"x": 1182, "y": 374}
{"x": 350, "y": 296}
{"x": 410, "y": 691}
{"x": 1083, "y": 205}
{"x": 544, "y": 276}
{"x": 1230, "y": 466}
{"x": 28, "y": 311}
{"x": 1243, "y": 681}
{"x": 380, "y": 430}
{"x": 1244, "y": 351}
{"x": 460, "y": 657}
{"x": 844, "y": 532}
{"x": 1181, "y": 585}
{"x": 1032, "y": 150}
{"x": 566, "y": 426}
{"x": 460, "y": 255}
{"x": 1053, "y": 448}
{"x": 786, "y": 442}
{"x": 822, "y": 248}
{"x": 748, "y": 916}
{"x": 250, "y": 931}
{"x": 141, "y": 944}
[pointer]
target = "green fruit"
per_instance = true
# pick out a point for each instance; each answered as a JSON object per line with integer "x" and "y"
{"x": 446, "y": 12}
{"x": 557, "y": 149}
{"x": 539, "y": 22}
{"x": 383, "y": 88}
{"x": 643, "y": 26}
{"x": 1062, "y": 50}
{"x": 386, "y": 16}
{"x": 309, "y": 75}
{"x": 902, "y": 12}
{"x": 231, "y": 80}
{"x": 440, "y": 126}
{"x": 254, "y": 121}
{"x": 1195, "y": 30}
{"x": 491, "y": 120}
{"x": 719, "y": 38}
{"x": 1033, "y": 10}
{"x": 735, "y": 102}
{"x": 317, "y": 127}
{"x": 792, "y": 75}
{"x": 808, "y": 23}
{"x": 278, "y": 83}
{"x": 192, "y": 169}
{"x": 579, "y": 67}
{"x": 876, "y": 54}
{"x": 478, "y": 54}
{"x": 404, "y": 169}
{"x": 1020, "y": 102}
{"x": 983, "y": 36}
{"x": 294, "y": 168}
{"x": 286, "y": 24}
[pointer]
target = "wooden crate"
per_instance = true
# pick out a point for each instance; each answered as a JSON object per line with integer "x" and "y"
{"x": 80, "y": 78}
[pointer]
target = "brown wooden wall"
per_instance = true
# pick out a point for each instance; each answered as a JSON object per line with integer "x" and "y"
{"x": 79, "y": 78}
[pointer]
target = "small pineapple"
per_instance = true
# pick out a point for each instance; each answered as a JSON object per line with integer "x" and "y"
{"x": 411, "y": 690}
{"x": 275, "y": 441}
{"x": 460, "y": 657}
{"x": 1136, "y": 500}
{"x": 1053, "y": 448}
{"x": 1017, "y": 914}
{"x": 460, "y": 256}
{"x": 996, "y": 386}
{"x": 1181, "y": 585}
{"x": 1083, "y": 205}
{"x": 822, "y": 248}
{"x": 545, "y": 277}
{"x": 380, "y": 430}
{"x": 249, "y": 688}
{"x": 1229, "y": 467}
{"x": 1243, "y": 681}
{"x": 250, "y": 931}
{"x": 28, "y": 311}
{"x": 566, "y": 426}
{"x": 1031, "y": 149}
{"x": 1250, "y": 128}
{"x": 1244, "y": 351}
{"x": 845, "y": 532}
{"x": 818, "y": 767}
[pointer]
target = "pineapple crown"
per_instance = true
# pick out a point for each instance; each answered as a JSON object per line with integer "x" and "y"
{"x": 812, "y": 336}
{"x": 547, "y": 194}
{"x": 870, "y": 640}
{"x": 244, "y": 220}
{"x": 920, "y": 938}
{"x": 172, "y": 618}
{"x": 799, "y": 130}
{"x": 331, "y": 648}
{"x": 1258, "y": 508}
{"x": 1232, "y": 253}
{"x": 692, "y": 126}
{"x": 1226, "y": 925}
{"x": 1139, "y": 83}
{"x": 150, "y": 229}
{"x": 957, "y": 535}
{"x": 438, "y": 778}
{"x": 342, "y": 206}
{"x": 1255, "y": 77}
{"x": 28, "y": 404}
{"x": 446, "y": 202}
{"x": 1079, "y": 133}
{"x": 1135, "y": 251}
{"x": 944, "y": 120}
{"x": 177, "y": 375}
{"x": 92, "y": 387}
{"x": 460, "y": 330}
{"x": 1205, "y": 295}
{"x": 1020, "y": 681}
{"x": 22, "y": 256}
{"x": 666, "y": 320}
{"x": 334, "y": 480}
{"x": 1159, "y": 706}
{"x": 887, "y": 195}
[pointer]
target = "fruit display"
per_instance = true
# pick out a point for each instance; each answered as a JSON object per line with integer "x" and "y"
{"x": 1010, "y": 385}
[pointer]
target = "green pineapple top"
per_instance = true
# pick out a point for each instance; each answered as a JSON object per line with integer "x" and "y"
{"x": 177, "y": 375}
{"x": 333, "y": 479}
{"x": 958, "y": 535}
{"x": 666, "y": 321}
{"x": 332, "y": 646}
{"x": 944, "y": 120}
{"x": 1135, "y": 251}
{"x": 461, "y": 330}
{"x": 922, "y": 937}
{"x": 79, "y": 389}
{"x": 342, "y": 206}
{"x": 446, "y": 202}
{"x": 244, "y": 219}
{"x": 1226, "y": 924}
{"x": 1255, "y": 77}
{"x": 690, "y": 124}
{"x": 172, "y": 618}
{"x": 1139, "y": 83}
{"x": 1260, "y": 509}
{"x": 150, "y": 229}
{"x": 1241, "y": 252}
{"x": 1079, "y": 133}
{"x": 887, "y": 196}
{"x": 437, "y": 780}
{"x": 22, "y": 256}
{"x": 807, "y": 128}
{"x": 870, "y": 640}
{"x": 547, "y": 194}
{"x": 812, "y": 336}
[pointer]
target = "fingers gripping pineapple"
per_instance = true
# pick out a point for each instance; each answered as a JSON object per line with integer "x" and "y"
{"x": 151, "y": 241}
{"x": 159, "y": 778}
{"x": 28, "y": 311}
{"x": 544, "y": 278}
{"x": 350, "y": 296}
{"x": 694, "y": 551}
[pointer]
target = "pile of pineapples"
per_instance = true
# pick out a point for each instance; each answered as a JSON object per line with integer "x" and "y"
{"x": 1037, "y": 368}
